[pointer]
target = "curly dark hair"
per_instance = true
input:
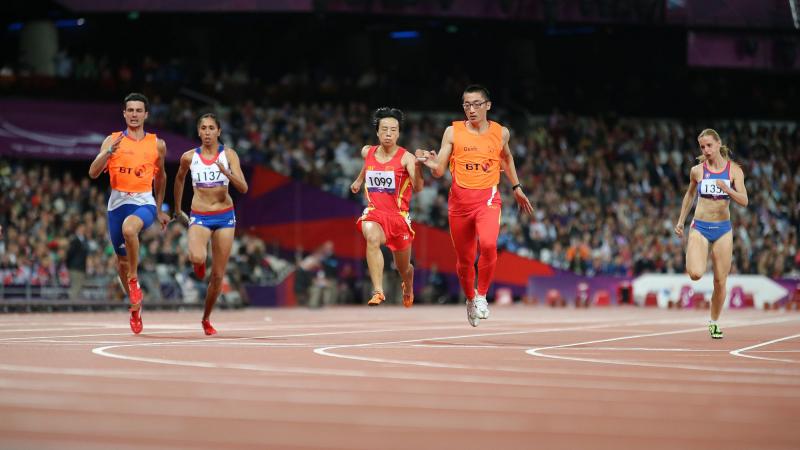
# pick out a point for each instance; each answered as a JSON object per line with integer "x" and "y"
{"x": 384, "y": 112}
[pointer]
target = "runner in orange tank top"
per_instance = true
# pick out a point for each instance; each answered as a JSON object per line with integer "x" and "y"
{"x": 391, "y": 173}
{"x": 134, "y": 161}
{"x": 475, "y": 150}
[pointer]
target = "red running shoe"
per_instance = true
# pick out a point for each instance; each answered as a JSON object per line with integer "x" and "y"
{"x": 200, "y": 270}
{"x": 408, "y": 297}
{"x": 207, "y": 328}
{"x": 135, "y": 294}
{"x": 136, "y": 322}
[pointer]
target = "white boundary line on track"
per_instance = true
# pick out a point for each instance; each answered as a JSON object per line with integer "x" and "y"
{"x": 740, "y": 352}
{"x": 327, "y": 351}
{"x": 538, "y": 352}
{"x": 218, "y": 339}
{"x": 642, "y": 383}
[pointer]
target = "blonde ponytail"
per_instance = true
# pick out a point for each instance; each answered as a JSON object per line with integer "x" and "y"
{"x": 725, "y": 151}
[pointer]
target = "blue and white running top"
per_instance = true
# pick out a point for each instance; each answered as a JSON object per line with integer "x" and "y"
{"x": 205, "y": 173}
{"x": 707, "y": 188}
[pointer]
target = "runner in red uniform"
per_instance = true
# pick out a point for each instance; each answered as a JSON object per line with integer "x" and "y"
{"x": 475, "y": 149}
{"x": 390, "y": 173}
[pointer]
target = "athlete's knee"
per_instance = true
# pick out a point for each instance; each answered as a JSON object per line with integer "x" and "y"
{"x": 465, "y": 268}
{"x": 197, "y": 257}
{"x": 373, "y": 240}
{"x": 130, "y": 230}
{"x": 216, "y": 278}
{"x": 488, "y": 249}
{"x": 719, "y": 283}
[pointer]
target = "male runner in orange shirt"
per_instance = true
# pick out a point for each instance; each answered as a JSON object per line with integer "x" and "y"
{"x": 476, "y": 149}
{"x": 134, "y": 160}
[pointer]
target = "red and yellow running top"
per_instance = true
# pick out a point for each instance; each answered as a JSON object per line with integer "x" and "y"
{"x": 387, "y": 185}
{"x": 475, "y": 167}
{"x": 133, "y": 166}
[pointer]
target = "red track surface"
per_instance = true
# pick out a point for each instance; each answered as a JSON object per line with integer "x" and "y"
{"x": 390, "y": 378}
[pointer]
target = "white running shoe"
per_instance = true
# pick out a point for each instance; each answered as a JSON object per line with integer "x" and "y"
{"x": 472, "y": 314}
{"x": 481, "y": 306}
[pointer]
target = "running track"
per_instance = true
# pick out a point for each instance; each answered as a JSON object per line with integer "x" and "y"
{"x": 390, "y": 378}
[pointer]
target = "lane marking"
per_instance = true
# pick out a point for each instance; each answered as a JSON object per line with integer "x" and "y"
{"x": 740, "y": 352}
{"x": 538, "y": 352}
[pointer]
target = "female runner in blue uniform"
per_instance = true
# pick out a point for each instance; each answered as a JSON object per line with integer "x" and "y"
{"x": 716, "y": 180}
{"x": 213, "y": 167}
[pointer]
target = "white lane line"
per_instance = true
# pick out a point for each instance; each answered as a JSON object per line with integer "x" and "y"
{"x": 525, "y": 347}
{"x": 740, "y": 352}
{"x": 33, "y": 330}
{"x": 493, "y": 379}
{"x": 538, "y": 352}
{"x": 328, "y": 351}
{"x": 173, "y": 329}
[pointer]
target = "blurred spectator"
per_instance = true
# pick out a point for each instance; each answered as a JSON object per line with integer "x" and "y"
{"x": 77, "y": 253}
{"x": 54, "y": 234}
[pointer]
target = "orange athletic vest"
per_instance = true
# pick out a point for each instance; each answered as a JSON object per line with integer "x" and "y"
{"x": 475, "y": 159}
{"x": 132, "y": 167}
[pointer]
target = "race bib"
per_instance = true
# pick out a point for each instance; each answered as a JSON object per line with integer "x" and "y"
{"x": 380, "y": 181}
{"x": 709, "y": 187}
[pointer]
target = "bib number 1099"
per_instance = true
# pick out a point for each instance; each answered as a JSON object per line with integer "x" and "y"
{"x": 380, "y": 181}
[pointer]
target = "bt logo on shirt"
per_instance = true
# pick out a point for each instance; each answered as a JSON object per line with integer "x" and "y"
{"x": 138, "y": 172}
{"x": 485, "y": 166}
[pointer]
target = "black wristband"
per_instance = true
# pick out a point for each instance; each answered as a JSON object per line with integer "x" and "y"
{"x": 518, "y": 185}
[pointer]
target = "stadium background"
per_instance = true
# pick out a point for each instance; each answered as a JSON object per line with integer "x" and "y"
{"x": 604, "y": 100}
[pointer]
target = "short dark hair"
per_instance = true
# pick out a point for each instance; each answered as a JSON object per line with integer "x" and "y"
{"x": 473, "y": 88}
{"x": 384, "y": 112}
{"x": 136, "y": 97}
{"x": 211, "y": 116}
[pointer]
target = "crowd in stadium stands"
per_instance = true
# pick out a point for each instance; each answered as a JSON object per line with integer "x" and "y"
{"x": 607, "y": 191}
{"x": 54, "y": 235}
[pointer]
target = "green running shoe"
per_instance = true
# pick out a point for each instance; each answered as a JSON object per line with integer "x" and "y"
{"x": 716, "y": 332}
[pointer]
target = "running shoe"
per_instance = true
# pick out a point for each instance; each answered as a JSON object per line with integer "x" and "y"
{"x": 472, "y": 314}
{"x": 408, "y": 297}
{"x": 714, "y": 329}
{"x": 200, "y": 270}
{"x": 135, "y": 294}
{"x": 136, "y": 322}
{"x": 377, "y": 299}
{"x": 481, "y": 306}
{"x": 207, "y": 328}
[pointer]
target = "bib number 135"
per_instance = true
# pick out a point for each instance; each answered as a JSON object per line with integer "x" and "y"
{"x": 709, "y": 187}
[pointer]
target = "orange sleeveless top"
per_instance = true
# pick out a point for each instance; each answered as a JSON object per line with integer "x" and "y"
{"x": 132, "y": 167}
{"x": 475, "y": 160}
